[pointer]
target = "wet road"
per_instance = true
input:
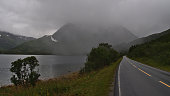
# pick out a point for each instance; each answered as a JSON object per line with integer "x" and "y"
{"x": 136, "y": 79}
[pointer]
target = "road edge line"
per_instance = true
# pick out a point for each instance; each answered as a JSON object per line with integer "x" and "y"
{"x": 119, "y": 80}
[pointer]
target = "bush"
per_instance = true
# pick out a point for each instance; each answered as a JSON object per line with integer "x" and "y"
{"x": 24, "y": 72}
{"x": 99, "y": 57}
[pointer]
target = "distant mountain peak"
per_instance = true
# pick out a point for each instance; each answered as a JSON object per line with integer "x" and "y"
{"x": 9, "y": 40}
{"x": 76, "y": 39}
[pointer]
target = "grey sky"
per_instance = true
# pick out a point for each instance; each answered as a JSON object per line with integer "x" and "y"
{"x": 40, "y": 17}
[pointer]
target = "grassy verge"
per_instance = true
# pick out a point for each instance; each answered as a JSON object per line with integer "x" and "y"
{"x": 96, "y": 83}
{"x": 153, "y": 63}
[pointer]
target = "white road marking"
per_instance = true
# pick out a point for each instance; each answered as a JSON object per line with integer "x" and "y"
{"x": 119, "y": 80}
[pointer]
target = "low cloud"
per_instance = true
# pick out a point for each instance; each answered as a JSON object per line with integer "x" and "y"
{"x": 39, "y": 17}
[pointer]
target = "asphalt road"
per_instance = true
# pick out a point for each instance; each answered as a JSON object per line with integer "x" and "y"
{"x": 136, "y": 79}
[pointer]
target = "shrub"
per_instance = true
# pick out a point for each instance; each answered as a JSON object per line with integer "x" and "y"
{"x": 24, "y": 72}
{"x": 99, "y": 57}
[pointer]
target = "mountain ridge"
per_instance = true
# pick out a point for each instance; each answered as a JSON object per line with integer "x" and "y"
{"x": 155, "y": 53}
{"x": 125, "y": 46}
{"x": 73, "y": 39}
{"x": 9, "y": 40}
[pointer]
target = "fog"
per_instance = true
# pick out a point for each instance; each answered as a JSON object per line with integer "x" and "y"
{"x": 41, "y": 17}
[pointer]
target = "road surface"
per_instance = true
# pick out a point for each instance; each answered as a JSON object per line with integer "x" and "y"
{"x": 136, "y": 79}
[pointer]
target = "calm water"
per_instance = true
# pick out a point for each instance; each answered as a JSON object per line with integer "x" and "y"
{"x": 50, "y": 65}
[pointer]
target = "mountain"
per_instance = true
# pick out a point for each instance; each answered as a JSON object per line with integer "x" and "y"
{"x": 155, "y": 52}
{"x": 75, "y": 39}
{"x": 125, "y": 46}
{"x": 8, "y": 40}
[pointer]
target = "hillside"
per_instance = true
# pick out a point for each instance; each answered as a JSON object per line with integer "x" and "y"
{"x": 73, "y": 39}
{"x": 155, "y": 53}
{"x": 125, "y": 46}
{"x": 39, "y": 46}
{"x": 8, "y": 40}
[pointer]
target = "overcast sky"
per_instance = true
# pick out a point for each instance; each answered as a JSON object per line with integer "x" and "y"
{"x": 41, "y": 17}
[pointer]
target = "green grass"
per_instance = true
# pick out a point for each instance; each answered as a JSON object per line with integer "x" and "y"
{"x": 153, "y": 63}
{"x": 155, "y": 53}
{"x": 96, "y": 83}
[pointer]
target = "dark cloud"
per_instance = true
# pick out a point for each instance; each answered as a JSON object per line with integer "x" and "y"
{"x": 39, "y": 17}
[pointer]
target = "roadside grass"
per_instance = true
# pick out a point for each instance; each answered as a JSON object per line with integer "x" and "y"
{"x": 96, "y": 83}
{"x": 153, "y": 63}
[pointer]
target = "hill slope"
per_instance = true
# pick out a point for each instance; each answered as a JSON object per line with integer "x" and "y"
{"x": 8, "y": 40}
{"x": 72, "y": 39}
{"x": 155, "y": 53}
{"x": 125, "y": 46}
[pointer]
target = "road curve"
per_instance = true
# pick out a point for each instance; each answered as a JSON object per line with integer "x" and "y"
{"x": 136, "y": 79}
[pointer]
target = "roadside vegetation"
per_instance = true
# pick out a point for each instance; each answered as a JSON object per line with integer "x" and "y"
{"x": 95, "y": 79}
{"x": 95, "y": 83}
{"x": 155, "y": 53}
{"x": 99, "y": 57}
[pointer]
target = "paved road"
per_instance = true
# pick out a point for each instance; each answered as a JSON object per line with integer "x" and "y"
{"x": 136, "y": 79}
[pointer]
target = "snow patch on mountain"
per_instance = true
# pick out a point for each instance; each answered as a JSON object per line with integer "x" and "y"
{"x": 54, "y": 40}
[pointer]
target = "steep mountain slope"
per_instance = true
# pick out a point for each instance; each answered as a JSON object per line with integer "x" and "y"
{"x": 73, "y": 39}
{"x": 42, "y": 45}
{"x": 8, "y": 40}
{"x": 125, "y": 46}
{"x": 156, "y": 52}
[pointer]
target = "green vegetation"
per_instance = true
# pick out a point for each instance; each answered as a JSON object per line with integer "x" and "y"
{"x": 8, "y": 40}
{"x": 37, "y": 47}
{"x": 155, "y": 53}
{"x": 24, "y": 72}
{"x": 96, "y": 79}
{"x": 99, "y": 57}
{"x": 95, "y": 83}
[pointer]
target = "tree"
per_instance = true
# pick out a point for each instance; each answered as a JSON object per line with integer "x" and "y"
{"x": 99, "y": 57}
{"x": 24, "y": 71}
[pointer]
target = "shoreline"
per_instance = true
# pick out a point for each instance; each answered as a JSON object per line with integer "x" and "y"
{"x": 95, "y": 83}
{"x": 65, "y": 76}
